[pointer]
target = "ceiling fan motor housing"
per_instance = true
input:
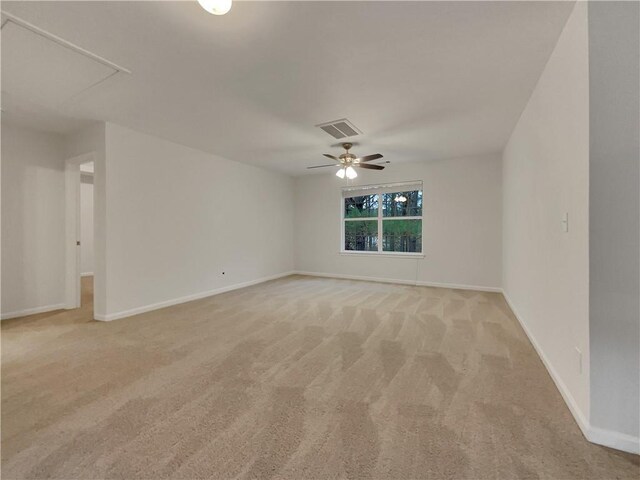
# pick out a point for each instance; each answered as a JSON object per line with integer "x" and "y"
{"x": 347, "y": 157}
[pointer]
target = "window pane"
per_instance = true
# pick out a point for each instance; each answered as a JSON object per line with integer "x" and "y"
{"x": 359, "y": 207}
{"x": 361, "y": 235}
{"x": 402, "y": 204}
{"x": 402, "y": 236}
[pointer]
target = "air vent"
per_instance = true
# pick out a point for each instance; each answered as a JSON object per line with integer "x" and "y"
{"x": 340, "y": 128}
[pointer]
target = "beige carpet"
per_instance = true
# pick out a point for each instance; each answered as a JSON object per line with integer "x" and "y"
{"x": 299, "y": 378}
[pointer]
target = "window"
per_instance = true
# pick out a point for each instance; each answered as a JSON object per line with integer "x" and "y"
{"x": 383, "y": 219}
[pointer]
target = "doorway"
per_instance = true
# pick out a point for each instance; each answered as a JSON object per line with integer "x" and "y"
{"x": 86, "y": 234}
{"x": 79, "y": 251}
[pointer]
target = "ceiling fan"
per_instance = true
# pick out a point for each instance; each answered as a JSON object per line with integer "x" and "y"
{"x": 347, "y": 161}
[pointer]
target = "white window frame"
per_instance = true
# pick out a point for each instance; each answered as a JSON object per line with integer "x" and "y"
{"x": 376, "y": 190}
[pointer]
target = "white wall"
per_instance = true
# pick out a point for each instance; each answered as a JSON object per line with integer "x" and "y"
{"x": 32, "y": 221}
{"x": 546, "y": 174}
{"x": 177, "y": 218}
{"x": 168, "y": 221}
{"x": 86, "y": 226}
{"x": 614, "y": 68}
{"x": 462, "y": 218}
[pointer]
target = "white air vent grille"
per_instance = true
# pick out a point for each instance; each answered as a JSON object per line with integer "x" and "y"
{"x": 340, "y": 128}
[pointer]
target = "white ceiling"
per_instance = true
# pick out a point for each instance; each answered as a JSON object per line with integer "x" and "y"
{"x": 422, "y": 80}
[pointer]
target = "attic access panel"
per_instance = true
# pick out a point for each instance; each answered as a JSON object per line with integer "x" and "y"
{"x": 41, "y": 68}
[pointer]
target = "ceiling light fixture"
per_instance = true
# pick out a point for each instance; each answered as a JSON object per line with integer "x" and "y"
{"x": 351, "y": 173}
{"x": 340, "y": 173}
{"x": 216, "y": 7}
{"x": 400, "y": 198}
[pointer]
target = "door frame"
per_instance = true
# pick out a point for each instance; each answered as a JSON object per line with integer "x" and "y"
{"x": 73, "y": 272}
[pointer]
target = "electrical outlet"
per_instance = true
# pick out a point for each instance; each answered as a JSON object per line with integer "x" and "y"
{"x": 579, "y": 360}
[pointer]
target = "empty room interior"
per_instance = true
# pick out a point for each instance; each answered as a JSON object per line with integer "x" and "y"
{"x": 320, "y": 240}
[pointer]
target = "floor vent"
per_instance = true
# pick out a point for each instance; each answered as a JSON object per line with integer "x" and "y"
{"x": 340, "y": 128}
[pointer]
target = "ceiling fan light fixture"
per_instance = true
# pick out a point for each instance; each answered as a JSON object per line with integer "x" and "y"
{"x": 340, "y": 173}
{"x": 351, "y": 173}
{"x": 216, "y": 7}
{"x": 400, "y": 199}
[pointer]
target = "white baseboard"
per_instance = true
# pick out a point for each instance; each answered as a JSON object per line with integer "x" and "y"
{"x": 580, "y": 418}
{"x": 607, "y": 438}
{"x": 187, "y": 298}
{"x": 32, "y": 311}
{"x": 401, "y": 282}
{"x": 459, "y": 286}
{"x": 617, "y": 440}
{"x": 87, "y": 274}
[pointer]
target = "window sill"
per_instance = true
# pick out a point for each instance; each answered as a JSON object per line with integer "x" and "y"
{"x": 383, "y": 254}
